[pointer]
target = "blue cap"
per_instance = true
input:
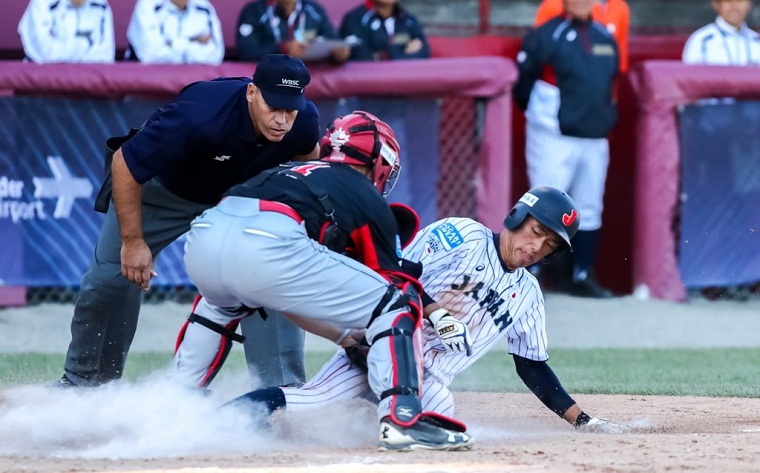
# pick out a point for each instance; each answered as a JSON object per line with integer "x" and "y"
{"x": 282, "y": 80}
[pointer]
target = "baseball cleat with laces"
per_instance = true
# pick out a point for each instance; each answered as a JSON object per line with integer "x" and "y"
{"x": 420, "y": 436}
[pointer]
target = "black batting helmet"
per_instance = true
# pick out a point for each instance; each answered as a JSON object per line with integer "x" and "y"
{"x": 550, "y": 206}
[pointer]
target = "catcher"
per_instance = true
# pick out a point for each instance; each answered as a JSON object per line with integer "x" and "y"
{"x": 476, "y": 283}
{"x": 278, "y": 241}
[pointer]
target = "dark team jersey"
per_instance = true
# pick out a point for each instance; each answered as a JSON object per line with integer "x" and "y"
{"x": 581, "y": 59}
{"x": 263, "y": 27}
{"x": 360, "y": 210}
{"x": 203, "y": 142}
{"x": 383, "y": 38}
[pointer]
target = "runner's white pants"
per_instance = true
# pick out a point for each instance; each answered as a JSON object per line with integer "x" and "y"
{"x": 340, "y": 380}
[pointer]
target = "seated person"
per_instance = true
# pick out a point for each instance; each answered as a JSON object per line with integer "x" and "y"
{"x": 67, "y": 31}
{"x": 175, "y": 32}
{"x": 284, "y": 26}
{"x": 727, "y": 41}
{"x": 382, "y": 29}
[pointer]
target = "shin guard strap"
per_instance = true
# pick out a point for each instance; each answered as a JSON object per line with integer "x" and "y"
{"x": 393, "y": 331}
{"x": 403, "y": 390}
{"x": 220, "y": 329}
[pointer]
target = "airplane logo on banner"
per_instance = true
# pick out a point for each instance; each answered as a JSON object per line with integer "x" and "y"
{"x": 63, "y": 186}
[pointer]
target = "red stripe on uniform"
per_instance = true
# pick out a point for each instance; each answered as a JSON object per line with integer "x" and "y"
{"x": 548, "y": 75}
{"x": 364, "y": 247}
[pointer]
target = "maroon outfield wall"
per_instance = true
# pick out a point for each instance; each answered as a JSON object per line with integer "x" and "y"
{"x": 661, "y": 86}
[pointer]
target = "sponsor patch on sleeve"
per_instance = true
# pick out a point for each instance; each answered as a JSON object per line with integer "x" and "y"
{"x": 444, "y": 237}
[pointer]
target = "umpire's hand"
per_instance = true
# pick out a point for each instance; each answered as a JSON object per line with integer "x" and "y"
{"x": 137, "y": 262}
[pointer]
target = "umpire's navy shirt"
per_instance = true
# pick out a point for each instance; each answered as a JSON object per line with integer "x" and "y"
{"x": 203, "y": 142}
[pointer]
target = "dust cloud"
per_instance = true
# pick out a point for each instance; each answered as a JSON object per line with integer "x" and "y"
{"x": 154, "y": 418}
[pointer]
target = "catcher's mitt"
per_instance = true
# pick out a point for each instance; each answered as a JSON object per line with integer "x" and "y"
{"x": 358, "y": 354}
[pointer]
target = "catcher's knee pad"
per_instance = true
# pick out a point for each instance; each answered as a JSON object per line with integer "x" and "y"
{"x": 405, "y": 295}
{"x": 227, "y": 334}
{"x": 400, "y": 355}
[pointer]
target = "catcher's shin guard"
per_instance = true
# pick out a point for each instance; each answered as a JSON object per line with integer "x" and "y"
{"x": 202, "y": 347}
{"x": 394, "y": 370}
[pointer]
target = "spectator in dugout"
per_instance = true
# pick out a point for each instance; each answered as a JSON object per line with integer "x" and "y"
{"x": 727, "y": 41}
{"x": 175, "y": 32}
{"x": 615, "y": 15}
{"x": 383, "y": 29}
{"x": 67, "y": 31}
{"x": 284, "y": 26}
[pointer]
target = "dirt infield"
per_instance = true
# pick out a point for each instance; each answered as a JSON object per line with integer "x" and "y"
{"x": 146, "y": 429}
{"x": 514, "y": 434}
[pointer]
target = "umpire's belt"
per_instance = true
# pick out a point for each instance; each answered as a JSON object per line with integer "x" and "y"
{"x": 280, "y": 208}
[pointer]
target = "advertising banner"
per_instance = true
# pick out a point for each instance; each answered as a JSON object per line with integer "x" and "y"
{"x": 719, "y": 242}
{"x": 51, "y": 167}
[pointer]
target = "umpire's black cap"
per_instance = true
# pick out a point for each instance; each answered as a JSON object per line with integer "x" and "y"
{"x": 282, "y": 80}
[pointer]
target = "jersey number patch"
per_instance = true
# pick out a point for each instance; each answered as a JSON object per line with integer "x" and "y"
{"x": 306, "y": 169}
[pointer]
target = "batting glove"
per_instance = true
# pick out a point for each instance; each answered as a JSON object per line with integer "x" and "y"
{"x": 596, "y": 425}
{"x": 453, "y": 333}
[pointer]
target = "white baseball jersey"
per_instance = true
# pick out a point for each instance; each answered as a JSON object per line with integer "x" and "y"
{"x": 721, "y": 44}
{"x": 55, "y": 31}
{"x": 161, "y": 33}
{"x": 462, "y": 272}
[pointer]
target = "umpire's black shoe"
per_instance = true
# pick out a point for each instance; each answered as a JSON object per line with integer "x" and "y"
{"x": 420, "y": 436}
{"x": 589, "y": 287}
{"x": 63, "y": 383}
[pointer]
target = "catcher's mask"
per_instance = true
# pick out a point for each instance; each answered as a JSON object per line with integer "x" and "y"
{"x": 362, "y": 139}
{"x": 551, "y": 207}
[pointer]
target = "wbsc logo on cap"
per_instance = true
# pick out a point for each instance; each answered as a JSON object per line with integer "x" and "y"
{"x": 291, "y": 83}
{"x": 282, "y": 80}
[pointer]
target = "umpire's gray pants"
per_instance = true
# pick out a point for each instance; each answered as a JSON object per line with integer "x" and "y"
{"x": 270, "y": 339}
{"x": 106, "y": 311}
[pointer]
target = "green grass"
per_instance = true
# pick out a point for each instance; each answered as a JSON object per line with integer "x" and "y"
{"x": 708, "y": 372}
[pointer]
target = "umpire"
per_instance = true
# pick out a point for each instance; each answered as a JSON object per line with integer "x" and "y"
{"x": 215, "y": 134}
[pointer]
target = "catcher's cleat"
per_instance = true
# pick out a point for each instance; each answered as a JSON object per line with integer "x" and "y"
{"x": 420, "y": 436}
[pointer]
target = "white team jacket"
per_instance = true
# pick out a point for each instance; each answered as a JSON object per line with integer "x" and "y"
{"x": 58, "y": 31}
{"x": 161, "y": 33}
{"x": 720, "y": 44}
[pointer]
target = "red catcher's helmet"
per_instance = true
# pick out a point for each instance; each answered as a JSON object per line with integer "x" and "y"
{"x": 362, "y": 139}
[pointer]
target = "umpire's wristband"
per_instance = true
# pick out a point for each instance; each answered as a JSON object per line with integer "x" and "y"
{"x": 582, "y": 419}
